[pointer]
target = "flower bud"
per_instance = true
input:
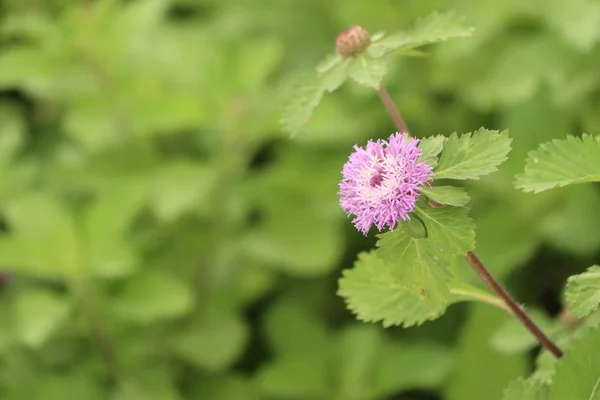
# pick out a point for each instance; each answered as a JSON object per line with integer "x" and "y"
{"x": 352, "y": 41}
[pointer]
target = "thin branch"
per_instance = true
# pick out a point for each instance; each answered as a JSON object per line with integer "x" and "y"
{"x": 515, "y": 309}
{"x": 392, "y": 110}
{"x": 474, "y": 261}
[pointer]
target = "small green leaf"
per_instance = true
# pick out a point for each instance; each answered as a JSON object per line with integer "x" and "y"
{"x": 153, "y": 296}
{"x": 521, "y": 389}
{"x": 328, "y": 62}
{"x": 450, "y": 229}
{"x": 306, "y": 93}
{"x": 436, "y": 27}
{"x": 583, "y": 292}
{"x": 578, "y": 372}
{"x": 374, "y": 292}
{"x": 471, "y": 156}
{"x": 367, "y": 71}
{"x": 451, "y": 195}
{"x": 431, "y": 147}
{"x": 561, "y": 162}
{"x": 214, "y": 343}
{"x": 418, "y": 265}
{"x": 38, "y": 314}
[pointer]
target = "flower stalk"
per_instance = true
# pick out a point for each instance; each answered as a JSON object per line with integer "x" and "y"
{"x": 475, "y": 262}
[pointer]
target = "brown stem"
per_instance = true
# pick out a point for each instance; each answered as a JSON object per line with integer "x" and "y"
{"x": 474, "y": 261}
{"x": 392, "y": 110}
{"x": 515, "y": 309}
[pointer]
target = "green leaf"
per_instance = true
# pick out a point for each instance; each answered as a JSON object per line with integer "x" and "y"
{"x": 305, "y": 94}
{"x": 449, "y": 229}
{"x": 106, "y": 222}
{"x": 213, "y": 343}
{"x": 431, "y": 147}
{"x": 226, "y": 387}
{"x": 419, "y": 265}
{"x": 181, "y": 187}
{"x": 436, "y": 27}
{"x": 153, "y": 296}
{"x": 374, "y": 292}
{"x": 578, "y": 372}
{"x": 521, "y": 389}
{"x": 329, "y": 62}
{"x": 451, "y": 195}
{"x": 583, "y": 292}
{"x": 294, "y": 378}
{"x": 471, "y": 156}
{"x": 559, "y": 163}
{"x": 42, "y": 223}
{"x": 37, "y": 315}
{"x": 403, "y": 366}
{"x": 415, "y": 227}
{"x": 367, "y": 71}
{"x": 470, "y": 378}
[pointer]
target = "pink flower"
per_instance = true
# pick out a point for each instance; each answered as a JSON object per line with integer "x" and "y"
{"x": 381, "y": 182}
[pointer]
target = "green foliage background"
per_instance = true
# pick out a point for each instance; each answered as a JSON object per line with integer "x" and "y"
{"x": 163, "y": 239}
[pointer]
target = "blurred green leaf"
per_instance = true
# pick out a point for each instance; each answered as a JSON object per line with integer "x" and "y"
{"x": 153, "y": 296}
{"x": 470, "y": 380}
{"x": 107, "y": 221}
{"x": 38, "y": 315}
{"x": 471, "y": 156}
{"x": 306, "y": 92}
{"x": 40, "y": 222}
{"x": 367, "y": 71}
{"x": 213, "y": 343}
{"x": 436, "y": 27}
{"x": 226, "y": 387}
{"x": 181, "y": 187}
{"x": 561, "y": 162}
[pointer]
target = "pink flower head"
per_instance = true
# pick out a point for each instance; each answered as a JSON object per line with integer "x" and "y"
{"x": 381, "y": 182}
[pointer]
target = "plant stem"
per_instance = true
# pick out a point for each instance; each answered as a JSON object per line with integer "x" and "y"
{"x": 392, "y": 110}
{"x": 515, "y": 309}
{"x": 474, "y": 261}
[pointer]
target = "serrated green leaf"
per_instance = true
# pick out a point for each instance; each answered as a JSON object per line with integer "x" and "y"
{"x": 583, "y": 292}
{"x": 436, "y": 27}
{"x": 418, "y": 265}
{"x": 328, "y": 62}
{"x": 367, "y": 71}
{"x": 305, "y": 94}
{"x": 577, "y": 374}
{"x": 449, "y": 229}
{"x": 559, "y": 163}
{"x": 471, "y": 156}
{"x": 373, "y": 291}
{"x": 521, "y": 389}
{"x": 450, "y": 195}
{"x": 431, "y": 147}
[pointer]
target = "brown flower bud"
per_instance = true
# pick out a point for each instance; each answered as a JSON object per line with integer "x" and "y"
{"x": 352, "y": 41}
